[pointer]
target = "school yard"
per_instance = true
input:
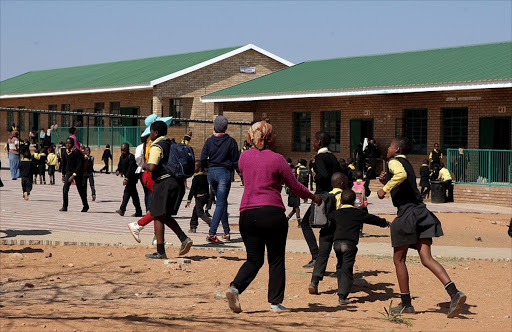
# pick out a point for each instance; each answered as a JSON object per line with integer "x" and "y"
{"x": 66, "y": 271}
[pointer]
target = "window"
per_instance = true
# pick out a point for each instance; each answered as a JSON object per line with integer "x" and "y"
{"x": 176, "y": 110}
{"x": 115, "y": 108}
{"x": 21, "y": 119}
{"x": 99, "y": 108}
{"x": 415, "y": 129}
{"x": 455, "y": 128}
{"x": 65, "y": 118}
{"x": 301, "y": 131}
{"x": 52, "y": 118}
{"x": 331, "y": 123}
{"x": 10, "y": 120}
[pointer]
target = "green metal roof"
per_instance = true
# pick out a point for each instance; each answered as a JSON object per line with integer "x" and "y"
{"x": 467, "y": 64}
{"x": 113, "y": 74}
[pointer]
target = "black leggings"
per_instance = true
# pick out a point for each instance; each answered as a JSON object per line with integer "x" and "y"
{"x": 264, "y": 227}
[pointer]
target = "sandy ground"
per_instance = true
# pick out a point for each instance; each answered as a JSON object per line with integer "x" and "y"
{"x": 115, "y": 289}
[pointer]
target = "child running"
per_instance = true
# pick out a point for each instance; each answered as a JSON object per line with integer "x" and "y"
{"x": 200, "y": 190}
{"x": 27, "y": 170}
{"x": 414, "y": 227}
{"x": 348, "y": 220}
{"x": 339, "y": 183}
{"x": 89, "y": 172}
{"x": 126, "y": 168}
{"x": 51, "y": 161}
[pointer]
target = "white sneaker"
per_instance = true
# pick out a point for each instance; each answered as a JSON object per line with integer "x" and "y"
{"x": 278, "y": 308}
{"x": 135, "y": 229}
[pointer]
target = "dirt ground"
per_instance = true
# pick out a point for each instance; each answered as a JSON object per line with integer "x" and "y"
{"x": 116, "y": 289}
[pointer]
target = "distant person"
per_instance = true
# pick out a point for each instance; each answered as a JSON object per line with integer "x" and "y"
{"x": 187, "y": 138}
{"x": 126, "y": 168}
{"x": 51, "y": 161}
{"x": 199, "y": 190}
{"x": 293, "y": 200}
{"x": 436, "y": 156}
{"x": 89, "y": 172}
{"x": 72, "y": 133}
{"x": 370, "y": 172}
{"x": 359, "y": 157}
{"x": 13, "y": 144}
{"x": 40, "y": 159}
{"x": 27, "y": 170}
{"x": 373, "y": 153}
{"x": 444, "y": 175}
{"x": 220, "y": 155}
{"x": 303, "y": 174}
{"x": 73, "y": 170}
{"x": 425, "y": 179}
{"x": 414, "y": 226}
{"x": 107, "y": 155}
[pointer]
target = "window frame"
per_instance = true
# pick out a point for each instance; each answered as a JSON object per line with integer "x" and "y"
{"x": 417, "y": 123}
{"x": 99, "y": 108}
{"x": 52, "y": 118}
{"x": 301, "y": 129}
{"x": 448, "y": 131}
{"x": 176, "y": 110}
{"x": 65, "y": 118}
{"x": 335, "y": 134}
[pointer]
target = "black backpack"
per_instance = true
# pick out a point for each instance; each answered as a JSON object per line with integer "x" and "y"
{"x": 181, "y": 161}
{"x": 303, "y": 176}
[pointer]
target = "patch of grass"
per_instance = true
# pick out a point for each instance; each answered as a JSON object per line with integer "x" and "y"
{"x": 396, "y": 318}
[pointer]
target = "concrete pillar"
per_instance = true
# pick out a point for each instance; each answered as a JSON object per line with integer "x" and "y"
{"x": 157, "y": 105}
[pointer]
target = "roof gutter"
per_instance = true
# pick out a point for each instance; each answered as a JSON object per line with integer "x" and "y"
{"x": 358, "y": 92}
{"x": 80, "y": 91}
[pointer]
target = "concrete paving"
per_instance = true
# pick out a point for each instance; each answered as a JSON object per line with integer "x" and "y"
{"x": 39, "y": 221}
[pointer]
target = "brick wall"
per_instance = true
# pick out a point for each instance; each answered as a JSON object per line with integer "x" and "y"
{"x": 383, "y": 109}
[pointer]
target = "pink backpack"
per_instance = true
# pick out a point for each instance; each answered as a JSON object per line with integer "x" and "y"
{"x": 361, "y": 200}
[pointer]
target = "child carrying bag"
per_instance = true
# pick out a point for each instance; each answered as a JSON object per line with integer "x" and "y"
{"x": 319, "y": 213}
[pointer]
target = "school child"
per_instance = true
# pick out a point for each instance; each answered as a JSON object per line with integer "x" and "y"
{"x": 303, "y": 174}
{"x": 105, "y": 157}
{"x": 415, "y": 226}
{"x": 362, "y": 190}
{"x": 126, "y": 167}
{"x": 73, "y": 170}
{"x": 27, "y": 169}
{"x": 200, "y": 190}
{"x": 89, "y": 172}
{"x": 444, "y": 175}
{"x": 60, "y": 152}
{"x": 293, "y": 200}
{"x": 351, "y": 164}
{"x": 425, "y": 179}
{"x": 51, "y": 161}
{"x": 167, "y": 192}
{"x": 370, "y": 172}
{"x": 339, "y": 183}
{"x": 40, "y": 160}
{"x": 348, "y": 220}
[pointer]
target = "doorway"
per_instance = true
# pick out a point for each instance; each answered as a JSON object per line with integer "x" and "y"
{"x": 129, "y": 111}
{"x": 494, "y": 133}
{"x": 359, "y": 130}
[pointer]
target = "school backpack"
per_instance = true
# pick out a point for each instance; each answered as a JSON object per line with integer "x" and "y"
{"x": 303, "y": 176}
{"x": 181, "y": 161}
{"x": 318, "y": 217}
{"x": 361, "y": 200}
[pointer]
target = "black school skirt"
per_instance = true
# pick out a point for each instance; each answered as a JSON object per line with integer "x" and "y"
{"x": 414, "y": 222}
{"x": 166, "y": 197}
{"x": 293, "y": 200}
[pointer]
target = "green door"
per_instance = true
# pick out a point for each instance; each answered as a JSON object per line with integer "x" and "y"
{"x": 486, "y": 133}
{"x": 355, "y": 134}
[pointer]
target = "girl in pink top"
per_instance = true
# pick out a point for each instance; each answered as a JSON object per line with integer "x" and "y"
{"x": 263, "y": 221}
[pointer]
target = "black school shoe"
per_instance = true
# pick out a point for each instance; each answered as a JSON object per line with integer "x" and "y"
{"x": 156, "y": 255}
{"x": 456, "y": 304}
{"x": 400, "y": 308}
{"x": 313, "y": 288}
{"x": 310, "y": 264}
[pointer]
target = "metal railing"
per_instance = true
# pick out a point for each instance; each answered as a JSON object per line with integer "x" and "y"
{"x": 101, "y": 136}
{"x": 480, "y": 166}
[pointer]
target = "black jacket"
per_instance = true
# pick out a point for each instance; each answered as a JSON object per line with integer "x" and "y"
{"x": 199, "y": 186}
{"x": 72, "y": 162}
{"x": 27, "y": 168}
{"x": 325, "y": 166}
{"x": 106, "y": 155}
{"x": 127, "y": 167}
{"x": 349, "y": 220}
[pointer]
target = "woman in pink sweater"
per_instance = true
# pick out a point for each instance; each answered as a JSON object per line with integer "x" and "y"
{"x": 262, "y": 215}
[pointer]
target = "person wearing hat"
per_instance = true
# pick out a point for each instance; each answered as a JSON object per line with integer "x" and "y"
{"x": 220, "y": 155}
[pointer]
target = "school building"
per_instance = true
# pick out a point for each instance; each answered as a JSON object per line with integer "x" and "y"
{"x": 167, "y": 86}
{"x": 457, "y": 97}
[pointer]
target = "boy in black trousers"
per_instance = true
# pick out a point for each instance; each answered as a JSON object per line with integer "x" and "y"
{"x": 200, "y": 190}
{"x": 127, "y": 167}
{"x": 105, "y": 157}
{"x": 414, "y": 227}
{"x": 348, "y": 220}
{"x": 73, "y": 170}
{"x": 27, "y": 170}
{"x": 324, "y": 166}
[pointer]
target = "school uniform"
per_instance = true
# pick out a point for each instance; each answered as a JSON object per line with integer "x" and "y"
{"x": 435, "y": 156}
{"x": 424, "y": 180}
{"x": 41, "y": 165}
{"x": 89, "y": 174}
{"x": 200, "y": 191}
{"x": 348, "y": 221}
{"x": 293, "y": 200}
{"x": 51, "y": 161}
{"x": 105, "y": 157}
{"x": 27, "y": 170}
{"x": 325, "y": 165}
{"x": 444, "y": 175}
{"x": 73, "y": 164}
{"x": 414, "y": 221}
{"x": 127, "y": 167}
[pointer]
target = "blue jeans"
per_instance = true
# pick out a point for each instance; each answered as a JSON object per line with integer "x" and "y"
{"x": 14, "y": 162}
{"x": 220, "y": 180}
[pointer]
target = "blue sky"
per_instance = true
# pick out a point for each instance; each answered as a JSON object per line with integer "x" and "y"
{"x": 36, "y": 35}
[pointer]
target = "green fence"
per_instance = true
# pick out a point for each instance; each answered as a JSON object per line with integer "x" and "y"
{"x": 479, "y": 166}
{"x": 101, "y": 136}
